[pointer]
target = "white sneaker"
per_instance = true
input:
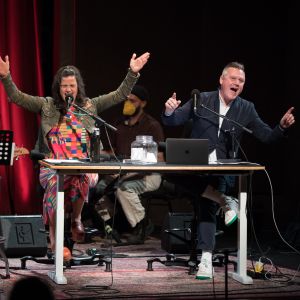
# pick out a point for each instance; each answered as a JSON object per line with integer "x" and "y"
{"x": 205, "y": 270}
{"x": 231, "y": 210}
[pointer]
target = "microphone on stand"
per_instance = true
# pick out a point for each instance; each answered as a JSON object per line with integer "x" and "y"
{"x": 195, "y": 95}
{"x": 69, "y": 99}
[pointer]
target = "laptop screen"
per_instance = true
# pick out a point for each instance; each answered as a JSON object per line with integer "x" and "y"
{"x": 187, "y": 151}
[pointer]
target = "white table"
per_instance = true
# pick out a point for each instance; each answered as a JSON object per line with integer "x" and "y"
{"x": 242, "y": 171}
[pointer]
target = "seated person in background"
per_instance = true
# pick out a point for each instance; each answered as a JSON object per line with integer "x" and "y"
{"x": 65, "y": 133}
{"x": 135, "y": 121}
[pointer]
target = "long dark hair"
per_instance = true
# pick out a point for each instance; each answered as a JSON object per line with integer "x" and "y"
{"x": 65, "y": 72}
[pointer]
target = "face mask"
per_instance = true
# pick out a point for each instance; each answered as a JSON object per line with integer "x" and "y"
{"x": 128, "y": 109}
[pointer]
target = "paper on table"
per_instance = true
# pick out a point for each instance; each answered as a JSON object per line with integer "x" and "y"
{"x": 232, "y": 162}
{"x": 61, "y": 161}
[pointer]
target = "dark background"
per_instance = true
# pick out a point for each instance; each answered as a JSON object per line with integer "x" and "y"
{"x": 190, "y": 43}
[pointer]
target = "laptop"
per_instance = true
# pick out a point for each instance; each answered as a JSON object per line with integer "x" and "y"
{"x": 187, "y": 151}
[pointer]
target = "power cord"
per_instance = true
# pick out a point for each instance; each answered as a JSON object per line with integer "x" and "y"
{"x": 258, "y": 267}
{"x": 110, "y": 231}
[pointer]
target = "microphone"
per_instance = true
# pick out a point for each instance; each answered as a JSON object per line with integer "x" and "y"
{"x": 195, "y": 95}
{"x": 69, "y": 99}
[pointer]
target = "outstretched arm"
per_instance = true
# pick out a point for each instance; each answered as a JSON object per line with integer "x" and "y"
{"x": 288, "y": 119}
{"x": 4, "y": 66}
{"x": 137, "y": 63}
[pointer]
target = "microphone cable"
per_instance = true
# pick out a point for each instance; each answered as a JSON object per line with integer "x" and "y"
{"x": 110, "y": 229}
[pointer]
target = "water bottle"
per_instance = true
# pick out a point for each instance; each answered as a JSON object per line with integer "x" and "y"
{"x": 95, "y": 145}
{"x": 144, "y": 150}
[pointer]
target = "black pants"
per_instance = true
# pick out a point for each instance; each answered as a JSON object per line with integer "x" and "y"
{"x": 193, "y": 186}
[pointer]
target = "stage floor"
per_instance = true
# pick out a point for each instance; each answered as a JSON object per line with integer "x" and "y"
{"x": 130, "y": 279}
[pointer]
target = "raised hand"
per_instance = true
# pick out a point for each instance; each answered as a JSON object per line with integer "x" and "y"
{"x": 171, "y": 104}
{"x": 288, "y": 119}
{"x": 4, "y": 66}
{"x": 137, "y": 63}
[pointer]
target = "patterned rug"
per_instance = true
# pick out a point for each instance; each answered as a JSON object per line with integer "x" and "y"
{"x": 130, "y": 279}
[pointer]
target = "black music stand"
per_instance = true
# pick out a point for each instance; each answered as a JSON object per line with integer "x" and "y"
{"x": 6, "y": 158}
{"x": 6, "y": 147}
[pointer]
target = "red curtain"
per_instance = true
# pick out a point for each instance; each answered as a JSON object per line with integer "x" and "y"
{"x": 56, "y": 36}
{"x": 19, "y": 39}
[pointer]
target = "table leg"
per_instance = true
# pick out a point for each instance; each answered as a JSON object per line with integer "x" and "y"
{"x": 241, "y": 273}
{"x": 57, "y": 275}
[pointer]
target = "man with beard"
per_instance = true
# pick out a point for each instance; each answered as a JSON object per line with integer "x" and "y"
{"x": 135, "y": 121}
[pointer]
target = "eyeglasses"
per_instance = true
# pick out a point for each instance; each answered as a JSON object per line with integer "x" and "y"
{"x": 71, "y": 86}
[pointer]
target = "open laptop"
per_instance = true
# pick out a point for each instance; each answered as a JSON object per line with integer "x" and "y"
{"x": 187, "y": 151}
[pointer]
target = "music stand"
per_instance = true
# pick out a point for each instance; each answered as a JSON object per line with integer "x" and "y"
{"x": 6, "y": 158}
{"x": 7, "y": 147}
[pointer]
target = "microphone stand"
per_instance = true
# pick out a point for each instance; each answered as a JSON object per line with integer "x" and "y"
{"x": 95, "y": 139}
{"x": 231, "y": 131}
{"x": 98, "y": 120}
